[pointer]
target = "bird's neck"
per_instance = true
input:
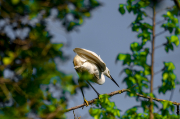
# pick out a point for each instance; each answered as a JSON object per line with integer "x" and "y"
{"x": 101, "y": 80}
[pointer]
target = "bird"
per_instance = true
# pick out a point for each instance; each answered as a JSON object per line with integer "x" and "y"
{"x": 88, "y": 61}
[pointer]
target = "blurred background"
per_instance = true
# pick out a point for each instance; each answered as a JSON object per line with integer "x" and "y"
{"x": 37, "y": 53}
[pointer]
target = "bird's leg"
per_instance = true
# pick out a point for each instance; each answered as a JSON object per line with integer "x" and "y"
{"x": 93, "y": 89}
{"x": 85, "y": 101}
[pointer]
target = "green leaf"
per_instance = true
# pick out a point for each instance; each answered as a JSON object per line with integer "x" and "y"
{"x": 135, "y": 28}
{"x": 121, "y": 8}
{"x": 147, "y": 70}
{"x": 172, "y": 108}
{"x": 139, "y": 17}
{"x": 148, "y": 26}
{"x": 175, "y": 40}
{"x": 129, "y": 8}
{"x": 15, "y": 1}
{"x": 170, "y": 41}
{"x": 135, "y": 47}
{"x": 87, "y": 14}
{"x": 165, "y": 104}
{"x": 145, "y": 35}
{"x": 107, "y": 108}
{"x": 169, "y": 66}
{"x": 177, "y": 31}
{"x": 128, "y": 71}
{"x": 96, "y": 113}
{"x": 126, "y": 58}
{"x": 165, "y": 75}
{"x": 57, "y": 46}
{"x": 169, "y": 14}
{"x": 8, "y": 60}
{"x": 143, "y": 3}
{"x": 168, "y": 80}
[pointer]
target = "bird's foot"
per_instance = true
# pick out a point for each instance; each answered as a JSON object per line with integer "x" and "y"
{"x": 86, "y": 102}
{"x": 120, "y": 92}
{"x": 99, "y": 97}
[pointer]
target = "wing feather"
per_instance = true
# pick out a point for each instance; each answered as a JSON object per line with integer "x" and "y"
{"x": 91, "y": 57}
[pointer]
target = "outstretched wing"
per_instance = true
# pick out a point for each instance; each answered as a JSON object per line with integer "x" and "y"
{"x": 91, "y": 57}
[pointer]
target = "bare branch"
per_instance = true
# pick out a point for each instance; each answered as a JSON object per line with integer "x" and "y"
{"x": 149, "y": 17}
{"x": 160, "y": 45}
{"x": 168, "y": 8}
{"x": 156, "y": 99}
{"x": 115, "y": 93}
{"x": 93, "y": 100}
{"x": 172, "y": 92}
{"x": 159, "y": 71}
{"x": 156, "y": 88}
{"x": 159, "y": 22}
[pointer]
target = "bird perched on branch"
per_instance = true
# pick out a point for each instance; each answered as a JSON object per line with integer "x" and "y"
{"x": 88, "y": 61}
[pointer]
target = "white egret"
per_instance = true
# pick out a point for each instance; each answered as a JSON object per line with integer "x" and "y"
{"x": 88, "y": 61}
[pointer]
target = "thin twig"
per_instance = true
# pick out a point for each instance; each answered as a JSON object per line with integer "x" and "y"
{"x": 172, "y": 92}
{"x": 165, "y": 8}
{"x": 160, "y": 21}
{"x": 160, "y": 46}
{"x": 158, "y": 72}
{"x": 156, "y": 88}
{"x": 156, "y": 99}
{"x": 160, "y": 33}
{"x": 149, "y": 17}
{"x": 75, "y": 116}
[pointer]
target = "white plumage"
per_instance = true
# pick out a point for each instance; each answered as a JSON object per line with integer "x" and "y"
{"x": 86, "y": 60}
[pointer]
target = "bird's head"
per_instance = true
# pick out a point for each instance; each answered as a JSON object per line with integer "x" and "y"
{"x": 107, "y": 73}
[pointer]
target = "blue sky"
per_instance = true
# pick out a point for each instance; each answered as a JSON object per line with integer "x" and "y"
{"x": 107, "y": 34}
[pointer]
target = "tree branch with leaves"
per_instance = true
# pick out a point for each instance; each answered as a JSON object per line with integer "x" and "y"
{"x": 91, "y": 102}
{"x": 140, "y": 52}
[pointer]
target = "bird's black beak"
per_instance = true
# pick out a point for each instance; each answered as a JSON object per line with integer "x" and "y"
{"x": 113, "y": 80}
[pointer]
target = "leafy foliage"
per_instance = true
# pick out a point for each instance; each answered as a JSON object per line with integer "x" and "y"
{"x": 170, "y": 41}
{"x": 132, "y": 113}
{"x": 78, "y": 9}
{"x": 138, "y": 69}
{"x": 105, "y": 109}
{"x": 168, "y": 79}
{"x": 172, "y": 26}
{"x": 27, "y": 53}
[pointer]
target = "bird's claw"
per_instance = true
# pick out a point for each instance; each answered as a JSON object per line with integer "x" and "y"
{"x": 99, "y": 97}
{"x": 86, "y": 102}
